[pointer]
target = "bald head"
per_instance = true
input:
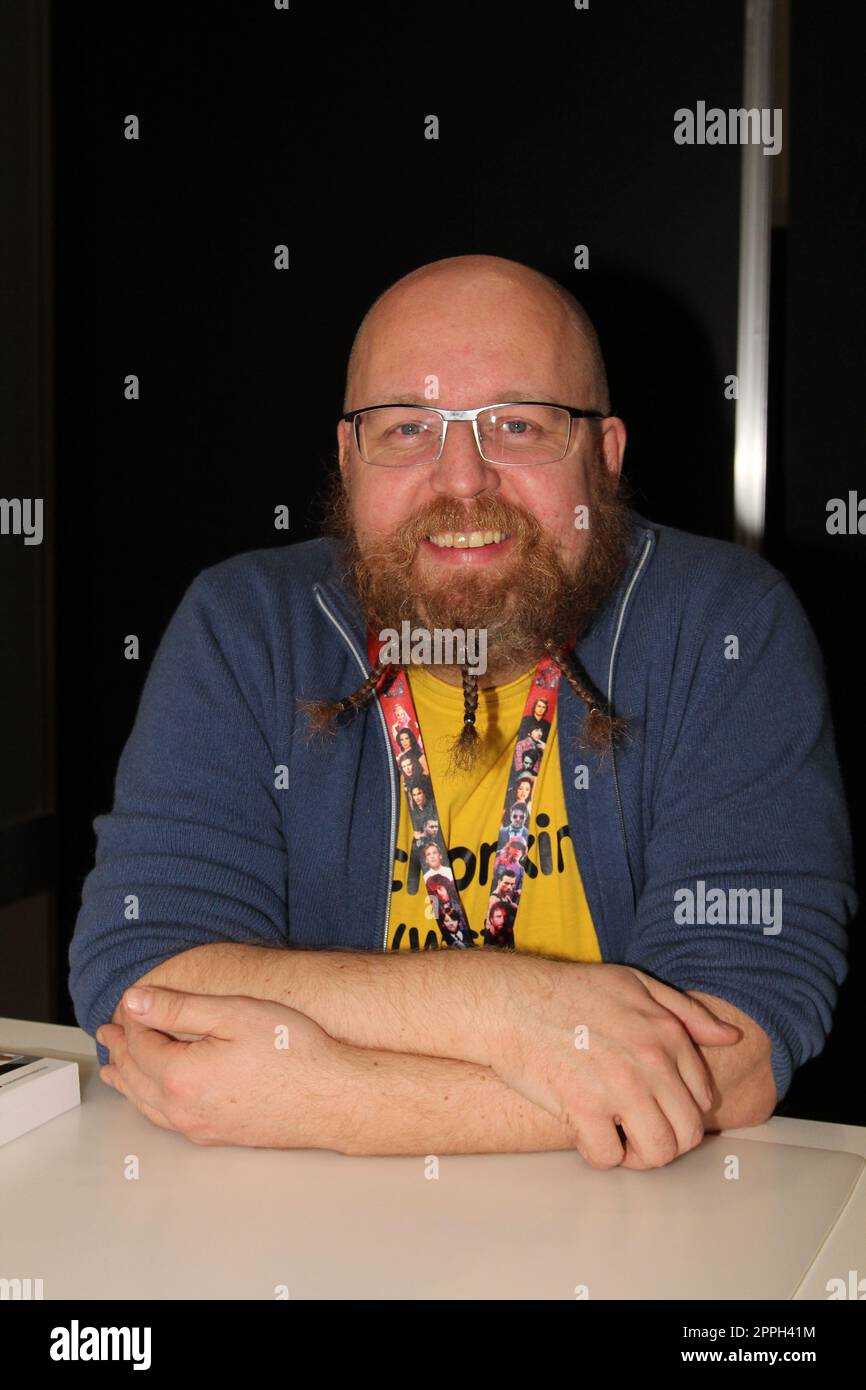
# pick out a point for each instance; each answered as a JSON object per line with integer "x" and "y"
{"x": 478, "y": 319}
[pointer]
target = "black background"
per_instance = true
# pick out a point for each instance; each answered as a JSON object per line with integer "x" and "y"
{"x": 261, "y": 127}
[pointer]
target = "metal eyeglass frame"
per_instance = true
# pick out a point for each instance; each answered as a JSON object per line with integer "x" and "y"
{"x": 351, "y": 417}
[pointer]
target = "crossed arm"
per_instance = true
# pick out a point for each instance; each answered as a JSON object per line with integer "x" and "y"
{"x": 449, "y": 1052}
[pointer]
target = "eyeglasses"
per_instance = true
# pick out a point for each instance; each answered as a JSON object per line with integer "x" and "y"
{"x": 514, "y": 434}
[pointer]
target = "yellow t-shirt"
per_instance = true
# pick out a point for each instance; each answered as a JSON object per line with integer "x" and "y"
{"x": 553, "y": 916}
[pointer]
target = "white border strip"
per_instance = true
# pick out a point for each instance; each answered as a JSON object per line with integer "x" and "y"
{"x": 753, "y": 309}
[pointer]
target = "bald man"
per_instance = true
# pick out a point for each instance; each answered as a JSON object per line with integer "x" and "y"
{"x": 680, "y": 932}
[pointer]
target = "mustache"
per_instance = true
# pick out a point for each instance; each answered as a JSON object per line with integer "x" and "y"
{"x": 445, "y": 514}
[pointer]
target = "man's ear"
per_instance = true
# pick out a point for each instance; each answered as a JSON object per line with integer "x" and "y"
{"x": 613, "y": 442}
{"x": 344, "y": 445}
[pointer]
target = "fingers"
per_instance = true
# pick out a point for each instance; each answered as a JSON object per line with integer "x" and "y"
{"x": 695, "y": 1074}
{"x": 702, "y": 1025}
{"x": 172, "y": 1011}
{"x": 660, "y": 1115}
{"x": 650, "y": 1133}
{"x": 674, "y": 1060}
{"x": 664, "y": 1114}
{"x": 156, "y": 1054}
{"x": 651, "y": 1138}
{"x": 682, "y": 1115}
{"x": 124, "y": 1071}
{"x": 112, "y": 1077}
{"x": 598, "y": 1143}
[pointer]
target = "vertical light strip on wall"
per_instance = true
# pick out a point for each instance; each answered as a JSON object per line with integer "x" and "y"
{"x": 753, "y": 310}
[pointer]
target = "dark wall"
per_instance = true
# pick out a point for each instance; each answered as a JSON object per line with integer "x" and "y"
{"x": 819, "y": 453}
{"x": 29, "y": 966}
{"x": 306, "y": 127}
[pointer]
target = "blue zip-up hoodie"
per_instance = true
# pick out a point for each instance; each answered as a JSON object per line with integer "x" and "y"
{"x": 230, "y": 824}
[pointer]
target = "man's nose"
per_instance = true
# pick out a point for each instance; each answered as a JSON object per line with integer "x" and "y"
{"x": 460, "y": 471}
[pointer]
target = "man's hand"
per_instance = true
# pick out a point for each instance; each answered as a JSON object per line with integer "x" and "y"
{"x": 639, "y": 1068}
{"x": 246, "y": 1078}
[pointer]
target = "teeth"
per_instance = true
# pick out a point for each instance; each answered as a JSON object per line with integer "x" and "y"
{"x": 466, "y": 540}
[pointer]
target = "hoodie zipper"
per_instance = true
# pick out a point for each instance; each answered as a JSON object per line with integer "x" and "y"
{"x": 620, "y": 620}
{"x": 391, "y": 773}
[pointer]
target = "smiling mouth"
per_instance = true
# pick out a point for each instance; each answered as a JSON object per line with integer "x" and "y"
{"x": 467, "y": 540}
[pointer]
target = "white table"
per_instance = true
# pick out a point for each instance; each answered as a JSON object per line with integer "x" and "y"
{"x": 237, "y": 1223}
